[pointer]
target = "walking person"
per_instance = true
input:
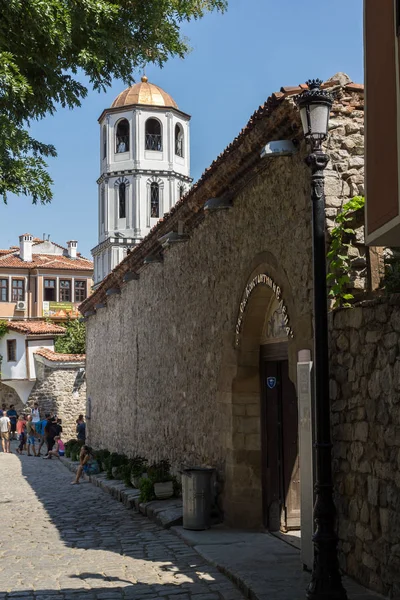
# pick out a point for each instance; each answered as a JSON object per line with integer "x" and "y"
{"x": 35, "y": 413}
{"x": 40, "y": 431}
{"x": 13, "y": 416}
{"x": 30, "y": 434}
{"x": 81, "y": 428}
{"x": 87, "y": 464}
{"x": 50, "y": 431}
{"x": 21, "y": 431}
{"x": 5, "y": 427}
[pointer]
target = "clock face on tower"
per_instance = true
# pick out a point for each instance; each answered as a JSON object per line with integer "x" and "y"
{"x": 144, "y": 169}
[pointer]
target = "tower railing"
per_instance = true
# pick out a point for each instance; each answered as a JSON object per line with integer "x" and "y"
{"x": 153, "y": 141}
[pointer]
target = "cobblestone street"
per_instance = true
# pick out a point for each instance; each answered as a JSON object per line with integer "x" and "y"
{"x": 63, "y": 541}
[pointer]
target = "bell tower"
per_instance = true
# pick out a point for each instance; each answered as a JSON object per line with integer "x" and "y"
{"x": 144, "y": 169}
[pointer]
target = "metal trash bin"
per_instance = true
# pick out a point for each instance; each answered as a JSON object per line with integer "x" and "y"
{"x": 197, "y": 498}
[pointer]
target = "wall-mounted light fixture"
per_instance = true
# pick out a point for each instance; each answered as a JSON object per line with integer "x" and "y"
{"x": 113, "y": 291}
{"x": 279, "y": 148}
{"x": 173, "y": 237}
{"x": 100, "y": 305}
{"x": 214, "y": 204}
{"x": 130, "y": 276}
{"x": 153, "y": 258}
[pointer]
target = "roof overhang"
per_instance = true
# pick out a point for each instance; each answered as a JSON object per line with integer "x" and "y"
{"x": 121, "y": 109}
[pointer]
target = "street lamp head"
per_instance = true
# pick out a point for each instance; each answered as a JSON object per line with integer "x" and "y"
{"x": 315, "y": 106}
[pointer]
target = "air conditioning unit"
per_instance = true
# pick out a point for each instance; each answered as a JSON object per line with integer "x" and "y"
{"x": 21, "y": 305}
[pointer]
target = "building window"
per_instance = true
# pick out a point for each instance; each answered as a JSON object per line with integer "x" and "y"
{"x": 65, "y": 290}
{"x": 11, "y": 350}
{"x": 181, "y": 191}
{"x": 122, "y": 136}
{"x": 122, "y": 200}
{"x": 80, "y": 291}
{"x": 178, "y": 140}
{"x": 49, "y": 290}
{"x": 104, "y": 141}
{"x": 154, "y": 200}
{"x": 153, "y": 135}
{"x": 17, "y": 290}
{"x": 3, "y": 290}
{"x": 102, "y": 204}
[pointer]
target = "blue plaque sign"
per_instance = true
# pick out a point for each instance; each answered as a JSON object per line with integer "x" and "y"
{"x": 271, "y": 382}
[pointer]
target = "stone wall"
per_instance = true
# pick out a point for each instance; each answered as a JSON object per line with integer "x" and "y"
{"x": 9, "y": 396}
{"x": 168, "y": 382}
{"x": 365, "y": 396}
{"x": 58, "y": 391}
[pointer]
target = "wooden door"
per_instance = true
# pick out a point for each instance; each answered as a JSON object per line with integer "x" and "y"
{"x": 281, "y": 472}
{"x": 290, "y": 518}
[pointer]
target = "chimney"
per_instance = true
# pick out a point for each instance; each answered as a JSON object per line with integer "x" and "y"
{"x": 72, "y": 248}
{"x": 25, "y": 247}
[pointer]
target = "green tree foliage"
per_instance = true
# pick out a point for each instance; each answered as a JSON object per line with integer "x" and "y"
{"x": 45, "y": 44}
{"x": 74, "y": 340}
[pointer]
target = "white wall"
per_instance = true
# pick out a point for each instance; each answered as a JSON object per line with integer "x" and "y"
{"x": 17, "y": 369}
{"x": 33, "y": 345}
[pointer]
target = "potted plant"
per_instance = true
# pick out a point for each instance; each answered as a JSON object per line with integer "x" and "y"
{"x": 101, "y": 456}
{"x": 146, "y": 488}
{"x": 138, "y": 470}
{"x": 163, "y": 480}
{"x": 113, "y": 464}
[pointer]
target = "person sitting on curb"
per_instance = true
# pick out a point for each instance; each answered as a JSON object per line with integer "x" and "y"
{"x": 88, "y": 464}
{"x": 58, "y": 448}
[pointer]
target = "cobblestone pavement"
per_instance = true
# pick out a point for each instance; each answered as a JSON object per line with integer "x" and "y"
{"x": 59, "y": 541}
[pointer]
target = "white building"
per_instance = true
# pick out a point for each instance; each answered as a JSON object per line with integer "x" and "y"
{"x": 17, "y": 353}
{"x": 144, "y": 166}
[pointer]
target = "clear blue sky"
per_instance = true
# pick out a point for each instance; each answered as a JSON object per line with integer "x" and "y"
{"x": 238, "y": 60}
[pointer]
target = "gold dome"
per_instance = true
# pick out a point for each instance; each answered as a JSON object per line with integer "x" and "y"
{"x": 144, "y": 93}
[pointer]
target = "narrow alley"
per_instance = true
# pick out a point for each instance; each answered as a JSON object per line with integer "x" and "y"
{"x": 60, "y": 541}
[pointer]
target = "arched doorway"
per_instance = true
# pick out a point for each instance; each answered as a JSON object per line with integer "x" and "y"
{"x": 258, "y": 491}
{"x": 279, "y": 427}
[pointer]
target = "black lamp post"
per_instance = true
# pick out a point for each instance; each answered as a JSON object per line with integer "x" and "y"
{"x": 314, "y": 105}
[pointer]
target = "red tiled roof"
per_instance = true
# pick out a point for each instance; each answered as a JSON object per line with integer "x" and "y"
{"x": 35, "y": 327}
{"x": 194, "y": 199}
{"x": 48, "y": 261}
{"x": 58, "y": 357}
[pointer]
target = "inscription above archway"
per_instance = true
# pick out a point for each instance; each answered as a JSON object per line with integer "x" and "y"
{"x": 262, "y": 279}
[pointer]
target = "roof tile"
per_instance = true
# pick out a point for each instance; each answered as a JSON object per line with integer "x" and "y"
{"x": 35, "y": 327}
{"x": 58, "y": 357}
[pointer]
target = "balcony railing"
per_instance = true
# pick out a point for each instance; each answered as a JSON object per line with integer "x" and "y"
{"x": 154, "y": 141}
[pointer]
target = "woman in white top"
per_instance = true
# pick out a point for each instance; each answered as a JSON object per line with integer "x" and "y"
{"x": 35, "y": 413}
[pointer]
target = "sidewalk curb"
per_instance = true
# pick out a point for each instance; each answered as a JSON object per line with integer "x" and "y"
{"x": 165, "y": 513}
{"x": 169, "y": 516}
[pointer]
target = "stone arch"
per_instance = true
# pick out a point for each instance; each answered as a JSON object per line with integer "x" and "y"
{"x": 243, "y": 468}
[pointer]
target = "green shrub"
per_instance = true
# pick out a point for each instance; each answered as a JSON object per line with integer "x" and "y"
{"x": 101, "y": 456}
{"x": 73, "y": 449}
{"x": 114, "y": 460}
{"x": 146, "y": 487}
{"x": 160, "y": 471}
